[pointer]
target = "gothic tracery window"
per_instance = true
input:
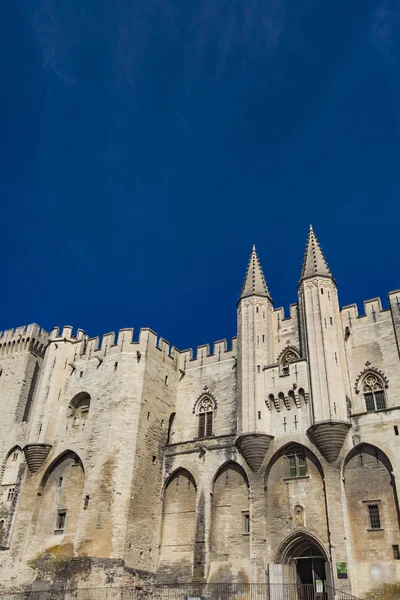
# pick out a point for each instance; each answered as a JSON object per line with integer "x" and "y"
{"x": 288, "y": 357}
{"x": 205, "y": 413}
{"x": 374, "y": 393}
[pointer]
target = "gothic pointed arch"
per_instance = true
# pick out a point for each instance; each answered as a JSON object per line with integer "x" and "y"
{"x": 233, "y": 464}
{"x": 176, "y": 473}
{"x": 230, "y": 549}
{"x": 178, "y": 527}
{"x": 371, "y": 383}
{"x": 293, "y": 479}
{"x": 206, "y": 399}
{"x": 59, "y": 459}
{"x": 294, "y": 545}
{"x": 286, "y": 357}
{"x": 204, "y": 408}
{"x": 291, "y": 352}
{"x": 60, "y": 501}
{"x": 11, "y": 464}
{"x": 370, "y": 370}
{"x": 372, "y": 502}
{"x": 290, "y": 449}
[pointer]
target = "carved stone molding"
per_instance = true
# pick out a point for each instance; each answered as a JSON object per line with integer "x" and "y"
{"x": 329, "y": 437}
{"x": 373, "y": 370}
{"x": 253, "y": 447}
{"x": 35, "y": 455}
{"x": 290, "y": 349}
{"x": 205, "y": 394}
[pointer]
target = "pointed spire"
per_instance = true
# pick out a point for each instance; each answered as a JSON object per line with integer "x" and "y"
{"x": 254, "y": 282}
{"x": 314, "y": 262}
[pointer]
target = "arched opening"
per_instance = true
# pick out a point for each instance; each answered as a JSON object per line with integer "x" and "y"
{"x": 230, "y": 541}
{"x": 372, "y": 508}
{"x": 61, "y": 501}
{"x": 205, "y": 413}
{"x": 294, "y": 479}
{"x": 178, "y": 528}
{"x": 79, "y": 409}
{"x": 288, "y": 356}
{"x": 307, "y": 557}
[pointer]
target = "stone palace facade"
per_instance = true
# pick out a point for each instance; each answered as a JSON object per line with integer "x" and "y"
{"x": 128, "y": 462}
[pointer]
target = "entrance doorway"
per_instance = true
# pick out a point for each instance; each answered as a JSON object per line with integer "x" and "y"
{"x": 310, "y": 567}
{"x": 303, "y": 562}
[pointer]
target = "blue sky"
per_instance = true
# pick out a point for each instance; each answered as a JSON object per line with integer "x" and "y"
{"x": 147, "y": 144}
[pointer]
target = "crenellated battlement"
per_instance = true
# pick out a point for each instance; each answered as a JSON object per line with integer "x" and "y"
{"x": 373, "y": 310}
{"x": 125, "y": 341}
{"x": 279, "y": 313}
{"x": 187, "y": 359}
{"x": 29, "y": 338}
{"x": 96, "y": 347}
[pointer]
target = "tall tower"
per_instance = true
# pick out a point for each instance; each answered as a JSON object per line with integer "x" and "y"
{"x": 254, "y": 339}
{"x": 322, "y": 342}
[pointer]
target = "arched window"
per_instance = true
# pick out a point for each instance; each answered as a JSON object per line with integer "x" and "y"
{"x": 205, "y": 412}
{"x": 288, "y": 356}
{"x": 79, "y": 409}
{"x": 374, "y": 393}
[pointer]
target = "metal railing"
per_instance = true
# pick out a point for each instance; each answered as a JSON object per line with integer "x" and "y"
{"x": 189, "y": 591}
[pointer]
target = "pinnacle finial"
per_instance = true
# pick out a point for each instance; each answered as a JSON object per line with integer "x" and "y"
{"x": 314, "y": 262}
{"x": 254, "y": 282}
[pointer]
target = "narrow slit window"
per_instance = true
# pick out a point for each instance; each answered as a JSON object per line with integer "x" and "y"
{"x": 202, "y": 424}
{"x": 61, "y": 516}
{"x": 396, "y": 552}
{"x": 302, "y": 465}
{"x": 209, "y": 423}
{"x": 396, "y": 430}
{"x": 246, "y": 522}
{"x": 292, "y": 466}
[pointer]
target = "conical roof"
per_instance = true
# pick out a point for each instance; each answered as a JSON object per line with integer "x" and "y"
{"x": 254, "y": 282}
{"x": 314, "y": 262}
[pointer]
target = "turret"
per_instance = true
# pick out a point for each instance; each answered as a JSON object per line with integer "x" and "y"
{"x": 254, "y": 352}
{"x": 322, "y": 343}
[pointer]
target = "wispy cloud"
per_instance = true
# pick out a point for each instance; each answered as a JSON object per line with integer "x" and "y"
{"x": 385, "y": 31}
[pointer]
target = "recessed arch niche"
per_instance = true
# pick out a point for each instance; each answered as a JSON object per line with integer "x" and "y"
{"x": 230, "y": 537}
{"x": 294, "y": 478}
{"x": 61, "y": 500}
{"x": 369, "y": 482}
{"x": 178, "y": 528}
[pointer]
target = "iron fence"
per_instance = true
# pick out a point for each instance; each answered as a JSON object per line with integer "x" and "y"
{"x": 190, "y": 591}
